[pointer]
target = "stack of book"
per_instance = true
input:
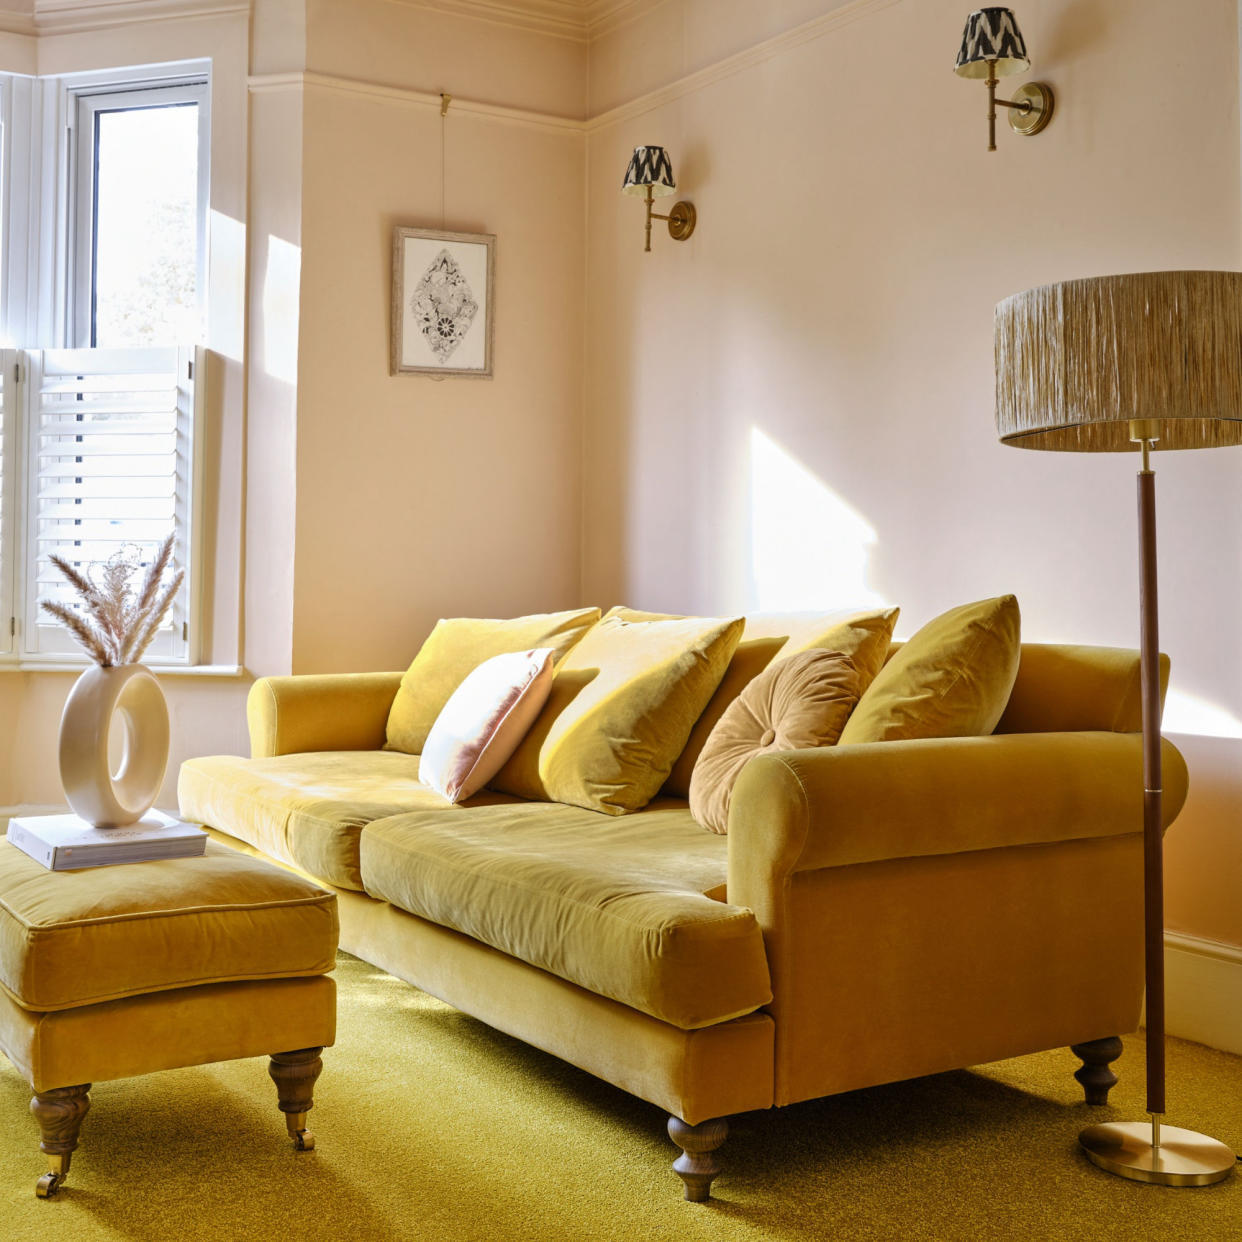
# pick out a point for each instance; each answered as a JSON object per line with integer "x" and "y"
{"x": 65, "y": 842}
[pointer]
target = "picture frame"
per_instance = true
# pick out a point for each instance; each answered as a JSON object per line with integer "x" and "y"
{"x": 442, "y": 297}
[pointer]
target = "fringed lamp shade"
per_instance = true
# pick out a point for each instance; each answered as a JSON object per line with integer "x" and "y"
{"x": 1076, "y": 361}
{"x": 650, "y": 166}
{"x": 991, "y": 34}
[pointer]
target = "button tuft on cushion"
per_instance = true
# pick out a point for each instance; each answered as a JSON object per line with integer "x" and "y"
{"x": 769, "y": 736}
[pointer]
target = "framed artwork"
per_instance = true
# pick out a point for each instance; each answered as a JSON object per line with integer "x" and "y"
{"x": 442, "y": 302}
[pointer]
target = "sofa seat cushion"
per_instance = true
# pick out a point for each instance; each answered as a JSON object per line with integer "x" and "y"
{"x": 75, "y": 938}
{"x": 307, "y": 810}
{"x": 618, "y": 906}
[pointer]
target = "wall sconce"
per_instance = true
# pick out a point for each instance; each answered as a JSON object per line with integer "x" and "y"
{"x": 651, "y": 174}
{"x": 992, "y": 47}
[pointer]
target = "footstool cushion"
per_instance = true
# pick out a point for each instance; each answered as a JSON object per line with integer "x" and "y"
{"x": 75, "y": 938}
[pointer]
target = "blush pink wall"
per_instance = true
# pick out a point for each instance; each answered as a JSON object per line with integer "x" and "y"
{"x": 795, "y": 406}
{"x": 418, "y": 497}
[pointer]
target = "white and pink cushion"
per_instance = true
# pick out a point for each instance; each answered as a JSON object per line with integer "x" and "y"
{"x": 484, "y": 720}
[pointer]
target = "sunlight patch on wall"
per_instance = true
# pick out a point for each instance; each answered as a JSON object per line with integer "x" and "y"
{"x": 226, "y": 301}
{"x": 809, "y": 548}
{"x": 1187, "y": 713}
{"x": 282, "y": 285}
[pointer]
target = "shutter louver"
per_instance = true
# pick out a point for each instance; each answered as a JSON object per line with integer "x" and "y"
{"x": 110, "y": 469}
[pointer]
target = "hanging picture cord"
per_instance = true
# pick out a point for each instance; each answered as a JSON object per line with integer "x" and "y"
{"x": 445, "y": 100}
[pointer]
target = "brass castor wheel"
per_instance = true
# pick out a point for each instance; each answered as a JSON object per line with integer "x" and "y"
{"x": 304, "y": 1140}
{"x": 47, "y": 1186}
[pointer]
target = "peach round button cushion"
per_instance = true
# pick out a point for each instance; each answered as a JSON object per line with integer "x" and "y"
{"x": 798, "y": 702}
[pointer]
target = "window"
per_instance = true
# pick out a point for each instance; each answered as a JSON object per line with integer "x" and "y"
{"x": 99, "y": 433}
{"x": 141, "y": 216}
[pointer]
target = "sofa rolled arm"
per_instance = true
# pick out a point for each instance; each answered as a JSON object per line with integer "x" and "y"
{"x": 804, "y": 810}
{"x": 323, "y": 711}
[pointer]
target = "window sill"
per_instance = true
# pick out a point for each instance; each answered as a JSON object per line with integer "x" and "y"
{"x": 220, "y": 671}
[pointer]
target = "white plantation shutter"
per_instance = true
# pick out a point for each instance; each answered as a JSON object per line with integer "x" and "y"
{"x": 9, "y": 393}
{"x": 111, "y": 436}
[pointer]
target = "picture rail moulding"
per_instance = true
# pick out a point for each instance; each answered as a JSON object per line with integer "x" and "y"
{"x": 271, "y": 83}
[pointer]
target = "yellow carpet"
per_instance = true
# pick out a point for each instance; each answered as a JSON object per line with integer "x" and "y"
{"x": 430, "y": 1126}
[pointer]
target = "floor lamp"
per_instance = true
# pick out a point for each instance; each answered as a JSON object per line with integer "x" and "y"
{"x": 1153, "y": 361}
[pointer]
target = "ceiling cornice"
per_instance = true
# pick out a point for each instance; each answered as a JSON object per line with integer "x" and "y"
{"x": 565, "y": 19}
{"x": 604, "y": 16}
{"x": 579, "y": 20}
{"x": 74, "y": 16}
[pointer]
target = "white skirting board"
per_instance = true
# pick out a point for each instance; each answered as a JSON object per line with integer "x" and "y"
{"x": 1203, "y": 991}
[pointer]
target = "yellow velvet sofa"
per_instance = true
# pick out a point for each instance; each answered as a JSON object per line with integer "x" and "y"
{"x": 876, "y": 912}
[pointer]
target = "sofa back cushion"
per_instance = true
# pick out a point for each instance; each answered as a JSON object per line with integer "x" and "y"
{"x": 622, "y": 705}
{"x": 459, "y": 645}
{"x": 951, "y": 679}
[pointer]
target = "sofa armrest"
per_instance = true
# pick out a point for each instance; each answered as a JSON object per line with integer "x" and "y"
{"x": 932, "y": 904}
{"x": 327, "y": 711}
{"x": 796, "y": 811}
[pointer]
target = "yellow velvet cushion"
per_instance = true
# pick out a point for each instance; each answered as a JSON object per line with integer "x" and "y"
{"x": 617, "y": 906}
{"x": 70, "y": 938}
{"x": 863, "y": 636}
{"x": 459, "y": 645}
{"x": 794, "y": 704}
{"x": 307, "y": 810}
{"x": 622, "y": 705}
{"x": 952, "y": 679}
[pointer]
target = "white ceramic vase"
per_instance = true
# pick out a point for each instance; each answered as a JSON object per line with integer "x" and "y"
{"x": 101, "y": 699}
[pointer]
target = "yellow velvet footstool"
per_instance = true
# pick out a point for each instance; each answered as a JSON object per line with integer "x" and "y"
{"x": 109, "y": 972}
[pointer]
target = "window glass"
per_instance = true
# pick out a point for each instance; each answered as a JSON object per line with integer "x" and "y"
{"x": 145, "y": 244}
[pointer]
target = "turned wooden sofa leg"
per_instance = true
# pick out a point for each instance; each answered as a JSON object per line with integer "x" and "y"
{"x": 59, "y": 1113}
{"x": 696, "y": 1166}
{"x": 1095, "y": 1076}
{"x": 294, "y": 1074}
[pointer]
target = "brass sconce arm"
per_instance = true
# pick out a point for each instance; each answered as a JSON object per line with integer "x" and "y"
{"x": 681, "y": 219}
{"x": 1033, "y": 106}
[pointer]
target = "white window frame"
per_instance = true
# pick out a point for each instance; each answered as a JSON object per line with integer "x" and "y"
{"x": 10, "y": 473}
{"x": 85, "y": 104}
{"x": 41, "y": 130}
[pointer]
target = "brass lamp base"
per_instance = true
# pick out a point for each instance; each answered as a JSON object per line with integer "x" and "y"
{"x": 1035, "y": 118}
{"x": 1183, "y": 1158}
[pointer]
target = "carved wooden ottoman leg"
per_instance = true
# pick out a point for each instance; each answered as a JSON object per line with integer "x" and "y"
{"x": 1096, "y": 1078}
{"x": 59, "y": 1113}
{"x": 696, "y": 1166}
{"x": 294, "y": 1074}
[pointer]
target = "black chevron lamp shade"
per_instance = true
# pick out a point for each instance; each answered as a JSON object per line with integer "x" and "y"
{"x": 991, "y": 34}
{"x": 650, "y": 167}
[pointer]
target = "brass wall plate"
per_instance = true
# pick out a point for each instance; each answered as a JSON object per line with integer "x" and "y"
{"x": 1041, "y": 99}
{"x": 681, "y": 221}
